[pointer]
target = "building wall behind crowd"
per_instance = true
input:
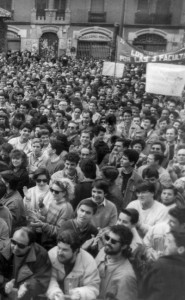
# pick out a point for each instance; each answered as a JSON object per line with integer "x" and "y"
{"x": 86, "y": 27}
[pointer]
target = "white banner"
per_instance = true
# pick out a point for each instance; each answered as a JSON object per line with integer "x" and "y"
{"x": 165, "y": 79}
{"x": 113, "y": 69}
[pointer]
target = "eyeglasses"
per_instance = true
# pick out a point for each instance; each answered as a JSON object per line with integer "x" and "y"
{"x": 41, "y": 180}
{"x": 71, "y": 127}
{"x": 55, "y": 192}
{"x": 113, "y": 241}
{"x": 21, "y": 246}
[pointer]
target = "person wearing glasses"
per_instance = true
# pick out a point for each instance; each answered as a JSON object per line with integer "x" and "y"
{"x": 25, "y": 267}
{"x": 74, "y": 271}
{"x": 117, "y": 277}
{"x": 59, "y": 211}
{"x": 39, "y": 193}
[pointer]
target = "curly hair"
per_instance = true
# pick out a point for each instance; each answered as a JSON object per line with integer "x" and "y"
{"x": 65, "y": 185}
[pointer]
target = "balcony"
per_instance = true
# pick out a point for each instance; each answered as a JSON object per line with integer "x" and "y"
{"x": 94, "y": 17}
{"x": 48, "y": 16}
{"x": 145, "y": 18}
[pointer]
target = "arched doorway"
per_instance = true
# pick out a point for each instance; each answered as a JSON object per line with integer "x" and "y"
{"x": 13, "y": 41}
{"x": 48, "y": 45}
{"x": 150, "y": 42}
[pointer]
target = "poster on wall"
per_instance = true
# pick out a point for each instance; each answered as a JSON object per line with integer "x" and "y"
{"x": 165, "y": 79}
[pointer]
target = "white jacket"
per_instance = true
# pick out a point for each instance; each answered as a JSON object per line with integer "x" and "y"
{"x": 83, "y": 278}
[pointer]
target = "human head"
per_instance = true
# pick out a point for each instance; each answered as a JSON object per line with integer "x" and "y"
{"x": 85, "y": 138}
{"x": 145, "y": 193}
{"x": 174, "y": 243}
{"x": 88, "y": 168}
{"x": 155, "y": 159}
{"x": 118, "y": 241}
{"x": 158, "y": 147}
{"x": 72, "y": 127}
{"x": 85, "y": 210}
{"x": 128, "y": 217}
{"x": 10, "y": 180}
{"x": 138, "y": 145}
{"x": 109, "y": 173}
{"x": 56, "y": 147}
{"x": 171, "y": 134}
{"x": 99, "y": 132}
{"x": 18, "y": 159}
{"x": 22, "y": 241}
{"x": 168, "y": 195}
{"x": 84, "y": 153}
{"x": 25, "y": 131}
{"x": 71, "y": 162}
{"x": 99, "y": 190}
{"x": 63, "y": 188}
{"x": 129, "y": 158}
{"x": 5, "y": 151}
{"x": 45, "y": 137}
{"x": 68, "y": 246}
{"x": 181, "y": 156}
{"x": 41, "y": 177}
{"x": 149, "y": 123}
{"x": 150, "y": 174}
{"x": 177, "y": 219}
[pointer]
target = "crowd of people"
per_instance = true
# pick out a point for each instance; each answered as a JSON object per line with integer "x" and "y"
{"x": 92, "y": 183}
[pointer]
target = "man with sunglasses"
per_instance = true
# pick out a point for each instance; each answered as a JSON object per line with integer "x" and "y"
{"x": 118, "y": 280}
{"x": 25, "y": 268}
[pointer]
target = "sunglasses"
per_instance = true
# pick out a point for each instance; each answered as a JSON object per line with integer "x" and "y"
{"x": 21, "y": 246}
{"x": 55, "y": 192}
{"x": 109, "y": 239}
{"x": 42, "y": 180}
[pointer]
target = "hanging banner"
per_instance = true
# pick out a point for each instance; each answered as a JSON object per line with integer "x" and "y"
{"x": 113, "y": 69}
{"x": 165, "y": 79}
{"x": 128, "y": 54}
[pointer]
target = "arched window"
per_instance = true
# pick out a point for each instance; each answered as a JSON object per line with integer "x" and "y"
{"x": 6, "y": 4}
{"x": 150, "y": 42}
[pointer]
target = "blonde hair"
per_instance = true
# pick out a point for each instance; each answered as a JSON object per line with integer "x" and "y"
{"x": 66, "y": 185}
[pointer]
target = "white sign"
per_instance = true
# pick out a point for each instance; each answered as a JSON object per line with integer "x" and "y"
{"x": 165, "y": 79}
{"x": 94, "y": 37}
{"x": 113, "y": 69}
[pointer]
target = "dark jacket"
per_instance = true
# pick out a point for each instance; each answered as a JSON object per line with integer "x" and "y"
{"x": 82, "y": 191}
{"x": 166, "y": 279}
{"x": 22, "y": 174}
{"x": 35, "y": 270}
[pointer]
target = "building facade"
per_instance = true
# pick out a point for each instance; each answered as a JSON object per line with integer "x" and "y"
{"x": 86, "y": 27}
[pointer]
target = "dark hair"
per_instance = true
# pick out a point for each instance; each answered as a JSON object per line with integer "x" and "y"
{"x": 15, "y": 153}
{"x": 132, "y": 213}
{"x": 145, "y": 187}
{"x": 69, "y": 237}
{"x": 41, "y": 171}
{"x": 162, "y": 119}
{"x": 25, "y": 104}
{"x": 72, "y": 157}
{"x": 88, "y": 167}
{"x": 111, "y": 119}
{"x": 110, "y": 172}
{"x": 132, "y": 155}
{"x": 44, "y": 131}
{"x": 7, "y": 147}
{"x": 60, "y": 112}
{"x": 26, "y": 125}
{"x": 125, "y": 236}
{"x": 101, "y": 185}
{"x": 179, "y": 238}
{"x": 138, "y": 141}
{"x": 178, "y": 213}
{"x": 90, "y": 203}
{"x": 127, "y": 110}
{"x": 97, "y": 129}
{"x": 170, "y": 187}
{"x": 63, "y": 139}
{"x": 150, "y": 172}
{"x": 152, "y": 120}
{"x": 11, "y": 178}
{"x": 182, "y": 127}
{"x": 158, "y": 156}
{"x": 57, "y": 145}
{"x": 2, "y": 189}
{"x": 171, "y": 127}
{"x": 163, "y": 148}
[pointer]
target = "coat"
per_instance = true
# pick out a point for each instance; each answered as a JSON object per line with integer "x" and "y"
{"x": 165, "y": 279}
{"x": 83, "y": 278}
{"x": 130, "y": 192}
{"x": 35, "y": 270}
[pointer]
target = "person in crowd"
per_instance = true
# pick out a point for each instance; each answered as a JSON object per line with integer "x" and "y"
{"x": 54, "y": 162}
{"x": 139, "y": 145}
{"x": 151, "y": 174}
{"x": 45, "y": 139}
{"x": 23, "y": 142}
{"x": 150, "y": 211}
{"x": 129, "y": 217}
{"x": 106, "y": 214}
{"x": 59, "y": 211}
{"x": 165, "y": 279}
{"x": 70, "y": 262}
{"x": 117, "y": 277}
{"x": 22, "y": 253}
{"x": 13, "y": 200}
{"x": 18, "y": 164}
{"x": 128, "y": 178}
{"x": 149, "y": 124}
{"x": 5, "y": 151}
{"x": 5, "y": 214}
{"x": 36, "y": 158}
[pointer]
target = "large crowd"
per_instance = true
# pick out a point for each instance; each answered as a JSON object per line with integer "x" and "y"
{"x": 92, "y": 183}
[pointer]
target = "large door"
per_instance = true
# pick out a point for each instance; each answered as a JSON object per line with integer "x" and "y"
{"x": 48, "y": 45}
{"x": 150, "y": 42}
{"x": 88, "y": 49}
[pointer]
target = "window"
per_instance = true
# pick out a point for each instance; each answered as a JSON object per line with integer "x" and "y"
{"x": 6, "y": 4}
{"x": 40, "y": 6}
{"x": 97, "y": 6}
{"x": 60, "y": 5}
{"x": 163, "y": 7}
{"x": 143, "y": 6}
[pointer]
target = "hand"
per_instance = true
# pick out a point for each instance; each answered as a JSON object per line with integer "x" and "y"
{"x": 57, "y": 296}
{"x": 9, "y": 286}
{"x": 37, "y": 224}
{"x": 74, "y": 295}
{"x": 26, "y": 194}
{"x": 22, "y": 291}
